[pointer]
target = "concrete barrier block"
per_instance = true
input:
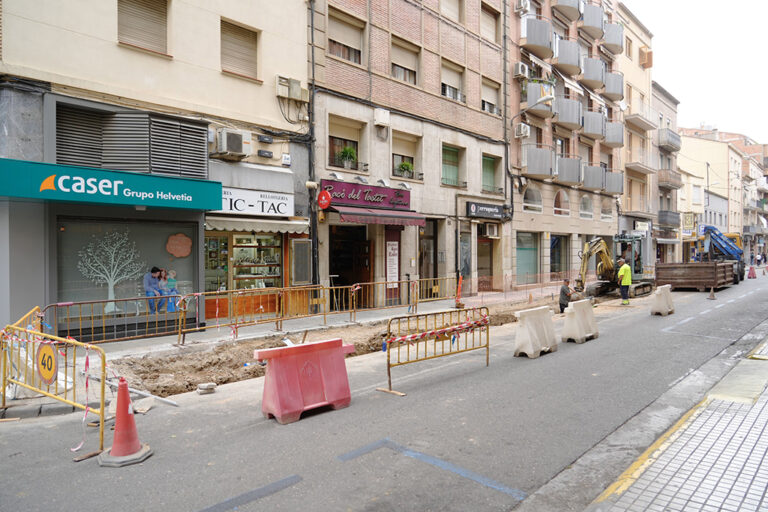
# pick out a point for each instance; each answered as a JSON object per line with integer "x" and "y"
{"x": 535, "y": 332}
{"x": 580, "y": 324}
{"x": 662, "y": 301}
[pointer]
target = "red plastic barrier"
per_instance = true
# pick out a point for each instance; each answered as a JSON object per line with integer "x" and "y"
{"x": 752, "y": 274}
{"x": 304, "y": 377}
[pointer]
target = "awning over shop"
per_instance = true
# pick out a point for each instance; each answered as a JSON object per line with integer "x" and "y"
{"x": 668, "y": 241}
{"x": 260, "y": 225}
{"x": 371, "y": 216}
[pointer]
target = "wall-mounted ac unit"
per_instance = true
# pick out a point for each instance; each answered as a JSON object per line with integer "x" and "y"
{"x": 520, "y": 70}
{"x": 234, "y": 144}
{"x": 522, "y": 131}
{"x": 523, "y": 6}
{"x": 381, "y": 117}
{"x": 291, "y": 89}
{"x": 490, "y": 230}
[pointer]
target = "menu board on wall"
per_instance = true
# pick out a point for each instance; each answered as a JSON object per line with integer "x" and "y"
{"x": 393, "y": 258}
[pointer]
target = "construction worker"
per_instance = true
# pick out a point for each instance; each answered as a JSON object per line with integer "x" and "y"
{"x": 624, "y": 279}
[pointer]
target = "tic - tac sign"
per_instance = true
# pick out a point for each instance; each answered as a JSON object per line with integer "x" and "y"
{"x": 242, "y": 201}
{"x": 47, "y": 363}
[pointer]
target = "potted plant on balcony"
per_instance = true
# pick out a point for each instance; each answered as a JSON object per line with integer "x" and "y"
{"x": 405, "y": 169}
{"x": 348, "y": 156}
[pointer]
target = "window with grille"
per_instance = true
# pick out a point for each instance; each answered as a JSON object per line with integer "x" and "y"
{"x": 336, "y": 146}
{"x": 345, "y": 40}
{"x": 144, "y": 24}
{"x": 490, "y": 98}
{"x": 451, "y": 83}
{"x": 239, "y": 50}
{"x": 450, "y": 175}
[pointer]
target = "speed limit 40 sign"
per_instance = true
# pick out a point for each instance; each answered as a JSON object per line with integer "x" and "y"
{"x": 47, "y": 363}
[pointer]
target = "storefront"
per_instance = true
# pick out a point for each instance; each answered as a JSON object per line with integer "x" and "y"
{"x": 527, "y": 257}
{"x": 92, "y": 234}
{"x": 488, "y": 218}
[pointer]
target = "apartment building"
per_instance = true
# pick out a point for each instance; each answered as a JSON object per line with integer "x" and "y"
{"x": 565, "y": 153}
{"x": 665, "y": 145}
{"x": 640, "y": 199}
{"x": 170, "y": 133}
{"x": 410, "y": 141}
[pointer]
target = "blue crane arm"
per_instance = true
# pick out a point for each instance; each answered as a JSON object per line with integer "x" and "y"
{"x": 722, "y": 243}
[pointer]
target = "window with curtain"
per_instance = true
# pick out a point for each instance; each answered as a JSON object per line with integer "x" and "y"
{"x": 405, "y": 62}
{"x": 143, "y": 23}
{"x": 451, "y": 83}
{"x": 489, "y": 174}
{"x": 238, "y": 50}
{"x": 532, "y": 200}
{"x": 345, "y": 40}
{"x": 585, "y": 208}
{"x": 562, "y": 204}
{"x": 450, "y": 174}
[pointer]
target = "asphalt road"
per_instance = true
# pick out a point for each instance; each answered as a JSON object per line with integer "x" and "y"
{"x": 465, "y": 437}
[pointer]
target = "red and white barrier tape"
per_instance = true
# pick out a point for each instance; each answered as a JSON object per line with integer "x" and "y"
{"x": 457, "y": 329}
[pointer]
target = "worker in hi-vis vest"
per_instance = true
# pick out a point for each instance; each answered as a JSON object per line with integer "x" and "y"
{"x": 625, "y": 279}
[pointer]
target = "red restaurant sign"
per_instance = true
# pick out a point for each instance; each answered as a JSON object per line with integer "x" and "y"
{"x": 371, "y": 196}
{"x": 323, "y": 199}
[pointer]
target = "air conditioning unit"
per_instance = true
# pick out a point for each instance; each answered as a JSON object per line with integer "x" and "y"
{"x": 291, "y": 89}
{"x": 491, "y": 230}
{"x": 523, "y": 6}
{"x": 282, "y": 87}
{"x": 381, "y": 117}
{"x": 522, "y": 131}
{"x": 232, "y": 143}
{"x": 520, "y": 70}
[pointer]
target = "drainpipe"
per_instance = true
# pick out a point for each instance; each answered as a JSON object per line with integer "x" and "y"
{"x": 507, "y": 174}
{"x": 311, "y": 115}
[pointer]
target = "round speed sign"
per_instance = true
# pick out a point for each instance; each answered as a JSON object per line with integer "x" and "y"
{"x": 47, "y": 363}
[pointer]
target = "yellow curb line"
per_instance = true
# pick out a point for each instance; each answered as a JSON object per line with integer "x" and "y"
{"x": 758, "y": 348}
{"x": 637, "y": 468}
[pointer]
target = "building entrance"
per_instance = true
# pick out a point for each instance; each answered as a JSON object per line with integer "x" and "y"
{"x": 350, "y": 255}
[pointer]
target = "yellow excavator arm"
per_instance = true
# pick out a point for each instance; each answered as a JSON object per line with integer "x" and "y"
{"x": 605, "y": 268}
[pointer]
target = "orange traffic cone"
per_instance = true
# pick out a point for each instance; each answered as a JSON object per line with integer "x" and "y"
{"x": 126, "y": 448}
{"x": 711, "y": 293}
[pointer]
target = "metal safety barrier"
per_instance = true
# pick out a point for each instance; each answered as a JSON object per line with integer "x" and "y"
{"x": 34, "y": 362}
{"x": 421, "y": 337}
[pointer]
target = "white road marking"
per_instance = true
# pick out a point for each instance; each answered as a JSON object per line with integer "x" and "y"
{"x": 742, "y": 296}
{"x": 705, "y": 311}
{"x": 684, "y": 321}
{"x": 719, "y": 306}
{"x": 732, "y": 300}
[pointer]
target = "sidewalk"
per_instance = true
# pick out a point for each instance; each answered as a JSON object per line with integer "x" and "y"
{"x": 715, "y": 458}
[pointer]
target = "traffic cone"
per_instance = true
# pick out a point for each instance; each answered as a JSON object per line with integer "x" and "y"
{"x": 711, "y": 293}
{"x": 126, "y": 448}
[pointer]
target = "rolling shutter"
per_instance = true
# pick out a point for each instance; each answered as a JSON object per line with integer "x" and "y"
{"x": 238, "y": 50}
{"x": 450, "y": 9}
{"x": 143, "y": 23}
{"x": 488, "y": 24}
{"x": 345, "y": 33}
{"x": 126, "y": 142}
{"x": 79, "y": 136}
{"x": 451, "y": 77}
{"x": 194, "y": 150}
{"x": 405, "y": 58}
{"x": 490, "y": 94}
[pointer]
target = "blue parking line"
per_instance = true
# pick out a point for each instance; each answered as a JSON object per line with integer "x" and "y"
{"x": 261, "y": 492}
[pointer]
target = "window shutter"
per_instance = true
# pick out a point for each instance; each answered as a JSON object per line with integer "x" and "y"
{"x": 143, "y": 23}
{"x": 165, "y": 139}
{"x": 79, "y": 136}
{"x": 345, "y": 33}
{"x": 238, "y": 50}
{"x": 194, "y": 150}
{"x": 450, "y": 9}
{"x": 404, "y": 57}
{"x": 488, "y": 24}
{"x": 301, "y": 261}
{"x": 451, "y": 77}
{"x": 403, "y": 147}
{"x": 490, "y": 94}
{"x": 126, "y": 142}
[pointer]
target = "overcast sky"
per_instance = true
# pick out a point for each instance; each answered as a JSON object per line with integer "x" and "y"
{"x": 711, "y": 56}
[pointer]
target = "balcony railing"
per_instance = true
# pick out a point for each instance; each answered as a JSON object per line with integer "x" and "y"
{"x": 568, "y": 113}
{"x": 337, "y": 161}
{"x": 568, "y": 169}
{"x": 639, "y": 160}
{"x": 453, "y": 182}
{"x": 537, "y": 161}
{"x": 669, "y": 140}
{"x": 452, "y": 93}
{"x": 490, "y": 108}
{"x": 592, "y": 19}
{"x": 593, "y": 75}
{"x": 669, "y": 178}
{"x": 594, "y": 124}
{"x": 411, "y": 175}
{"x": 614, "y": 182}
{"x": 641, "y": 115}
{"x": 492, "y": 189}
{"x": 567, "y": 55}
{"x": 594, "y": 178}
{"x": 536, "y": 35}
{"x": 614, "y": 134}
{"x": 613, "y": 40}
{"x": 614, "y": 85}
{"x": 669, "y": 218}
{"x": 570, "y": 9}
{"x": 534, "y": 90}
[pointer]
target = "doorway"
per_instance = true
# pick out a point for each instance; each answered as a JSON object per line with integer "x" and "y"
{"x": 428, "y": 260}
{"x": 485, "y": 264}
{"x": 349, "y": 259}
{"x": 527, "y": 257}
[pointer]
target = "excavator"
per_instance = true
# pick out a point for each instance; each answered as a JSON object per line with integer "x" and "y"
{"x": 630, "y": 248}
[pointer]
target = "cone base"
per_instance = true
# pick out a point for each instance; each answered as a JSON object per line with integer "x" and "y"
{"x": 110, "y": 461}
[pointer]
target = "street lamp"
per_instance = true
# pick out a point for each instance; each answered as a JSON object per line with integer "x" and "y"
{"x": 543, "y": 99}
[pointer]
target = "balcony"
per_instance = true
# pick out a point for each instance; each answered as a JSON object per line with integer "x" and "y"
{"x": 614, "y": 182}
{"x": 613, "y": 40}
{"x": 746, "y": 174}
{"x": 614, "y": 86}
{"x": 568, "y": 169}
{"x": 594, "y": 124}
{"x": 614, "y": 134}
{"x": 335, "y": 160}
{"x": 669, "y": 178}
{"x": 410, "y": 174}
{"x": 592, "y": 19}
{"x": 567, "y": 56}
{"x": 593, "y": 75}
{"x": 669, "y": 219}
{"x": 639, "y": 160}
{"x": 594, "y": 178}
{"x": 567, "y": 8}
{"x": 536, "y": 35}
{"x": 669, "y": 140}
{"x": 492, "y": 189}
{"x": 641, "y": 115}
{"x": 567, "y": 113}
{"x": 534, "y": 90}
{"x": 536, "y": 161}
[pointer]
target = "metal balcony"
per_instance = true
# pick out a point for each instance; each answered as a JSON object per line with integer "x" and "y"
{"x": 594, "y": 178}
{"x": 568, "y": 169}
{"x": 614, "y": 86}
{"x": 614, "y": 182}
{"x": 669, "y": 178}
{"x": 567, "y": 113}
{"x": 614, "y": 134}
{"x": 594, "y": 124}
{"x": 532, "y": 92}
{"x": 567, "y": 56}
{"x": 613, "y": 40}
{"x": 536, "y": 35}
{"x": 641, "y": 115}
{"x": 593, "y": 74}
{"x": 669, "y": 219}
{"x": 669, "y": 140}
{"x": 592, "y": 19}
{"x": 537, "y": 161}
{"x": 567, "y": 8}
{"x": 639, "y": 160}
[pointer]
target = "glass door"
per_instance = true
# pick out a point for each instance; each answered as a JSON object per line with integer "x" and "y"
{"x": 216, "y": 262}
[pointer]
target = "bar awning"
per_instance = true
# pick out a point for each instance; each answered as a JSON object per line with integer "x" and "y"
{"x": 213, "y": 223}
{"x": 371, "y": 216}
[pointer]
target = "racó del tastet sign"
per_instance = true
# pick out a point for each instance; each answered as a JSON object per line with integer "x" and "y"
{"x": 371, "y": 196}
{"x": 240, "y": 201}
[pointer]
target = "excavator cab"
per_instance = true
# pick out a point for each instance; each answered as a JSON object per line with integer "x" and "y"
{"x": 630, "y": 248}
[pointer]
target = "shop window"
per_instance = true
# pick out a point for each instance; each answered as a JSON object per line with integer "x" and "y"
{"x": 562, "y": 205}
{"x": 489, "y": 23}
{"x": 239, "y": 50}
{"x": 585, "y": 208}
{"x": 532, "y": 200}
{"x": 216, "y": 262}
{"x": 606, "y": 210}
{"x": 490, "y": 97}
{"x": 489, "y": 174}
{"x": 452, "y": 78}
{"x": 143, "y": 23}
{"x": 344, "y": 143}
{"x": 405, "y": 61}
{"x": 257, "y": 261}
{"x": 450, "y": 174}
{"x": 345, "y": 38}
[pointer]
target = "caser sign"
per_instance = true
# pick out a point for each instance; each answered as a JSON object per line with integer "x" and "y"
{"x": 104, "y": 186}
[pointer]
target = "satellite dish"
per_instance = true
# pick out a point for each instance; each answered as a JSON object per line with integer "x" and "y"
{"x": 622, "y": 106}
